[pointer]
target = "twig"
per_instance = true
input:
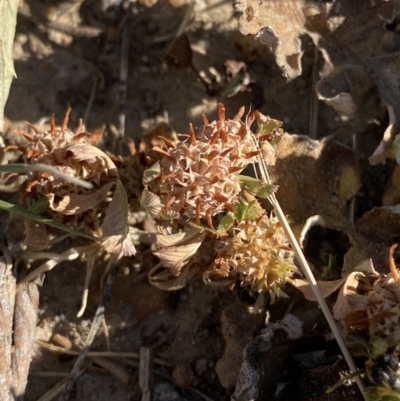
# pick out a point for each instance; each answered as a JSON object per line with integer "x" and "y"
{"x": 184, "y": 25}
{"x": 103, "y": 354}
{"x": 310, "y": 276}
{"x": 95, "y": 326}
{"x": 145, "y": 372}
{"x": 71, "y": 254}
{"x": 90, "y": 102}
{"x": 314, "y": 102}
{"x": 119, "y": 372}
{"x": 123, "y": 76}
{"x": 56, "y": 390}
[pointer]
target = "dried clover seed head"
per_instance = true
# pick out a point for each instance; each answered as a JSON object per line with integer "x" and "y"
{"x": 59, "y": 147}
{"x": 258, "y": 255}
{"x": 199, "y": 177}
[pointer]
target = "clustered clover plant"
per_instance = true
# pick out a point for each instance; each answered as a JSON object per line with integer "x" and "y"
{"x": 197, "y": 185}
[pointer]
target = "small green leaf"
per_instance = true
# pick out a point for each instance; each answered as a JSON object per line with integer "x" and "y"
{"x": 247, "y": 210}
{"x": 40, "y": 206}
{"x": 240, "y": 211}
{"x": 267, "y": 125}
{"x": 9, "y": 207}
{"x": 233, "y": 86}
{"x": 226, "y": 223}
{"x": 257, "y": 187}
{"x": 266, "y": 191}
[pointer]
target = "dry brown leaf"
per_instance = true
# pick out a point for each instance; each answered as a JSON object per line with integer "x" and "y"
{"x": 116, "y": 238}
{"x": 278, "y": 25}
{"x": 176, "y": 250}
{"x": 162, "y": 278}
{"x": 91, "y": 154}
{"x": 352, "y": 38}
{"x": 151, "y": 202}
{"x": 348, "y": 300}
{"x": 76, "y": 204}
{"x": 36, "y": 236}
{"x": 326, "y": 288}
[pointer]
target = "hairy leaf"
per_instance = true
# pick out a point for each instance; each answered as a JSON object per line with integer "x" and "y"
{"x": 257, "y": 187}
{"x": 176, "y": 250}
{"x": 226, "y": 223}
{"x": 116, "y": 238}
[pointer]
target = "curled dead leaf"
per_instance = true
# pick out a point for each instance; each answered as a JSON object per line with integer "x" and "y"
{"x": 76, "y": 204}
{"x": 348, "y": 300}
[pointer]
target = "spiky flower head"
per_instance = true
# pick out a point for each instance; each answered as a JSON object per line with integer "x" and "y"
{"x": 257, "y": 255}
{"x": 199, "y": 177}
{"x": 59, "y": 147}
{"x": 77, "y": 180}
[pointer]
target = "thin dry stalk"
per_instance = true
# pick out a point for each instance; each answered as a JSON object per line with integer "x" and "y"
{"x": 314, "y": 102}
{"x": 119, "y": 372}
{"x": 25, "y": 318}
{"x": 57, "y": 389}
{"x": 7, "y": 300}
{"x": 71, "y": 254}
{"x": 103, "y": 354}
{"x": 145, "y": 372}
{"x": 95, "y": 326}
{"x": 310, "y": 277}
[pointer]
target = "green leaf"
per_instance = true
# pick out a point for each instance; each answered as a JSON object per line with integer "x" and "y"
{"x": 40, "y": 206}
{"x": 240, "y": 211}
{"x": 266, "y": 125}
{"x": 233, "y": 86}
{"x": 257, "y": 187}
{"x": 9, "y": 207}
{"x": 248, "y": 210}
{"x": 226, "y": 223}
{"x": 8, "y": 21}
{"x": 14, "y": 168}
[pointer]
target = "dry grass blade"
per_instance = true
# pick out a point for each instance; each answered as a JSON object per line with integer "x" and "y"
{"x": 25, "y": 318}
{"x": 71, "y": 254}
{"x": 7, "y": 300}
{"x": 310, "y": 276}
{"x": 56, "y": 390}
